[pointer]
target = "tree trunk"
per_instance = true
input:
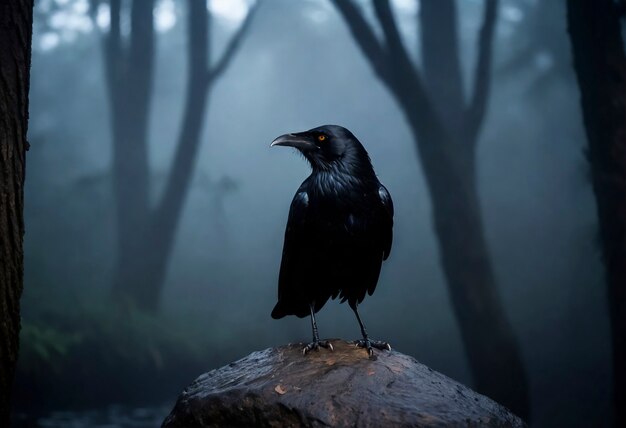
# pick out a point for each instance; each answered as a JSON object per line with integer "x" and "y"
{"x": 16, "y": 22}
{"x": 158, "y": 241}
{"x": 146, "y": 235}
{"x": 490, "y": 344}
{"x": 129, "y": 76}
{"x": 600, "y": 65}
{"x": 450, "y": 169}
{"x": 446, "y": 127}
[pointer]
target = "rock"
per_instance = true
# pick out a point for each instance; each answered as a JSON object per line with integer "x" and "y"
{"x": 280, "y": 387}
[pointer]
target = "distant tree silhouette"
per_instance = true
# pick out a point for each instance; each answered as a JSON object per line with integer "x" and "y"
{"x": 145, "y": 234}
{"x": 446, "y": 126}
{"x": 600, "y": 65}
{"x": 16, "y": 29}
{"x": 539, "y": 45}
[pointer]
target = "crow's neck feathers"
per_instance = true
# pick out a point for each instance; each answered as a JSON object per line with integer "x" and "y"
{"x": 352, "y": 172}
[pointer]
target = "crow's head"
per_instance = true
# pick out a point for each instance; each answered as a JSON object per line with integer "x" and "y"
{"x": 327, "y": 147}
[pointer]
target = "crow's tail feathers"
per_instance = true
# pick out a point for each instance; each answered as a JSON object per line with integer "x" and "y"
{"x": 284, "y": 308}
{"x": 279, "y": 310}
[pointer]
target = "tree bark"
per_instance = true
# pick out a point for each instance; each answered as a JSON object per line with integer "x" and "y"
{"x": 16, "y": 22}
{"x": 445, "y": 128}
{"x": 600, "y": 65}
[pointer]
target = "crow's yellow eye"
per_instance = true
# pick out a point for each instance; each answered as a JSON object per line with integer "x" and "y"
{"x": 321, "y": 137}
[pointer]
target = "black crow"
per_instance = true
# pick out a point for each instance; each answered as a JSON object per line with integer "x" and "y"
{"x": 339, "y": 230}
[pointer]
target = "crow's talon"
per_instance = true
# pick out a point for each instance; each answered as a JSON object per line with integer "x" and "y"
{"x": 316, "y": 345}
{"x": 371, "y": 344}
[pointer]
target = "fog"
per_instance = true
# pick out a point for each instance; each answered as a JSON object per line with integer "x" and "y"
{"x": 296, "y": 68}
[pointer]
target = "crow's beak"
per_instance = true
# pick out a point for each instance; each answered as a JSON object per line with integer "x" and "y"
{"x": 299, "y": 141}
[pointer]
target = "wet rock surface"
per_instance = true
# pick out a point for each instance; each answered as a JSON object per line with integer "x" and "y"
{"x": 279, "y": 387}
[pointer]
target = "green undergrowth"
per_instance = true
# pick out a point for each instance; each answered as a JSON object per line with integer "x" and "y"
{"x": 91, "y": 352}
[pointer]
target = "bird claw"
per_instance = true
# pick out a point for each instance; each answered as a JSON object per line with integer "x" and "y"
{"x": 371, "y": 344}
{"x": 316, "y": 345}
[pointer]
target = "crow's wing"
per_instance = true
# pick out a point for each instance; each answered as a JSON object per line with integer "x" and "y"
{"x": 292, "y": 249}
{"x": 383, "y": 240}
{"x": 375, "y": 230}
{"x": 387, "y": 223}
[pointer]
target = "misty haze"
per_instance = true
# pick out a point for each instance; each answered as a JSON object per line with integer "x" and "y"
{"x": 146, "y": 170}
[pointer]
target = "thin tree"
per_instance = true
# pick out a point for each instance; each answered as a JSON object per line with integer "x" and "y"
{"x": 16, "y": 29}
{"x": 445, "y": 127}
{"x": 600, "y": 65}
{"x": 145, "y": 234}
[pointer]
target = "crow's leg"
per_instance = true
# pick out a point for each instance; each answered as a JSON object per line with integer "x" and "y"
{"x": 366, "y": 342}
{"x": 317, "y": 343}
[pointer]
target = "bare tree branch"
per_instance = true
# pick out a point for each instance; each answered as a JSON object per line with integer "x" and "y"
{"x": 198, "y": 44}
{"x": 482, "y": 74}
{"x": 391, "y": 63}
{"x": 229, "y": 52}
{"x": 441, "y": 62}
{"x": 395, "y": 46}
{"x": 112, "y": 42}
{"x": 364, "y": 36}
{"x": 402, "y": 69}
{"x": 113, "y": 51}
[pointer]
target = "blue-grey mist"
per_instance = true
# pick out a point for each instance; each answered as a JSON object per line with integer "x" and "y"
{"x": 299, "y": 68}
